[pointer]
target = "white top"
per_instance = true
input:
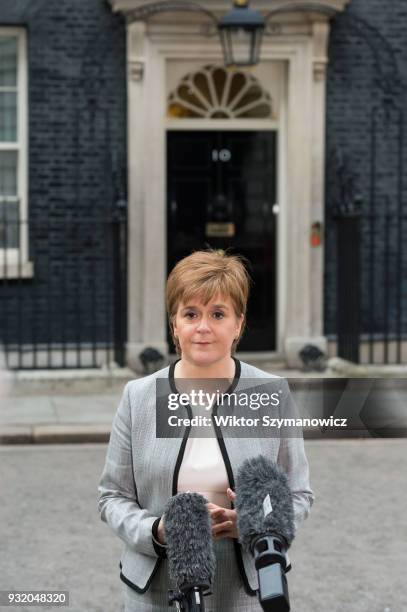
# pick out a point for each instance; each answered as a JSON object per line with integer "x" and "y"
{"x": 202, "y": 468}
{"x": 203, "y": 471}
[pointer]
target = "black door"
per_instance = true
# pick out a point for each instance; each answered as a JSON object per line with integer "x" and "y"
{"x": 221, "y": 188}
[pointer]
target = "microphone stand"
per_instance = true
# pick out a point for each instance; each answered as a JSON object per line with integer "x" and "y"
{"x": 189, "y": 598}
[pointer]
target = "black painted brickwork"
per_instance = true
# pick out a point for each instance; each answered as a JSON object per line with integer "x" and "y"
{"x": 77, "y": 158}
{"x": 77, "y": 123}
{"x": 352, "y": 95}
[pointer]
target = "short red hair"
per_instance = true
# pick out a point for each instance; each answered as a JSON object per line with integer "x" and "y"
{"x": 207, "y": 274}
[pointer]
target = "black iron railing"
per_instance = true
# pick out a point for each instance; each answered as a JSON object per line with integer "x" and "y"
{"x": 63, "y": 289}
{"x": 371, "y": 299}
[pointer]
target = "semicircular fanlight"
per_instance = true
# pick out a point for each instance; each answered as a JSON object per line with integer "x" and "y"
{"x": 213, "y": 92}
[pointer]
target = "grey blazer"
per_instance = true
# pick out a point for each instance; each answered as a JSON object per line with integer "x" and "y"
{"x": 141, "y": 473}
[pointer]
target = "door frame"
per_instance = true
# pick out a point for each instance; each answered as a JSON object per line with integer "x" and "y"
{"x": 301, "y": 137}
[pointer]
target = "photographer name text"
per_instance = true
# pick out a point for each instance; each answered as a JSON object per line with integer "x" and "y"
{"x": 264, "y": 421}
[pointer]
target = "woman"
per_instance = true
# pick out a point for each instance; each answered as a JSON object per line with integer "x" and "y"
{"x": 207, "y": 294}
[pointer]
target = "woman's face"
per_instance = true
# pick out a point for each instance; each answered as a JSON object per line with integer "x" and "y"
{"x": 206, "y": 332}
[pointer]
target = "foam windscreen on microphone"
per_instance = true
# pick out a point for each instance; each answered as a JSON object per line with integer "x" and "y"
{"x": 263, "y": 502}
{"x": 191, "y": 558}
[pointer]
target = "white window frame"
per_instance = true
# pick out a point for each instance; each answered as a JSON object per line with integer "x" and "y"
{"x": 14, "y": 261}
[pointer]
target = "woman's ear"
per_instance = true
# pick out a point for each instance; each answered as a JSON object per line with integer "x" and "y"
{"x": 239, "y": 325}
{"x": 174, "y": 326}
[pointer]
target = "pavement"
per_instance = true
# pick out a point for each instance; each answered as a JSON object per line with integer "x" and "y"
{"x": 53, "y": 407}
{"x": 72, "y": 406}
{"x": 46, "y": 410}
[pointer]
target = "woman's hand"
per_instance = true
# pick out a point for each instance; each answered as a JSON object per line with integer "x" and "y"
{"x": 161, "y": 531}
{"x": 224, "y": 520}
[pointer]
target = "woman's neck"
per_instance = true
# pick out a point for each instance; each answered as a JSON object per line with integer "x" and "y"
{"x": 224, "y": 368}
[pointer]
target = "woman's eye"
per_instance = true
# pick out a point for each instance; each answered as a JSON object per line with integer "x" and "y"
{"x": 218, "y": 314}
{"x": 189, "y": 315}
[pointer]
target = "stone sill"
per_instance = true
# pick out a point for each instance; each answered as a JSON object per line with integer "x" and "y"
{"x": 15, "y": 271}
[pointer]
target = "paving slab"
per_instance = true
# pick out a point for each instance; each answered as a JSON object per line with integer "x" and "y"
{"x": 27, "y": 410}
{"x": 85, "y": 409}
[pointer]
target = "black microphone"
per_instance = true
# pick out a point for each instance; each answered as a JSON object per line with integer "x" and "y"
{"x": 191, "y": 558}
{"x": 265, "y": 521}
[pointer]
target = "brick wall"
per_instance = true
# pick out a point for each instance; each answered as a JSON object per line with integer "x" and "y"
{"x": 77, "y": 167}
{"x": 77, "y": 135}
{"x": 366, "y": 128}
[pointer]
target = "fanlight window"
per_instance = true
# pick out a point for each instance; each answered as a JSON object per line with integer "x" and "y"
{"x": 217, "y": 93}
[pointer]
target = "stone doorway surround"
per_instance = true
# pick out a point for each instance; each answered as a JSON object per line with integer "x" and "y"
{"x": 156, "y": 49}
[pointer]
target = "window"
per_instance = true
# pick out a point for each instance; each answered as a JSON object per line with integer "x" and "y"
{"x": 13, "y": 152}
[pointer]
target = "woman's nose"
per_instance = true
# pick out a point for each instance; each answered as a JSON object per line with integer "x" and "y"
{"x": 203, "y": 324}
